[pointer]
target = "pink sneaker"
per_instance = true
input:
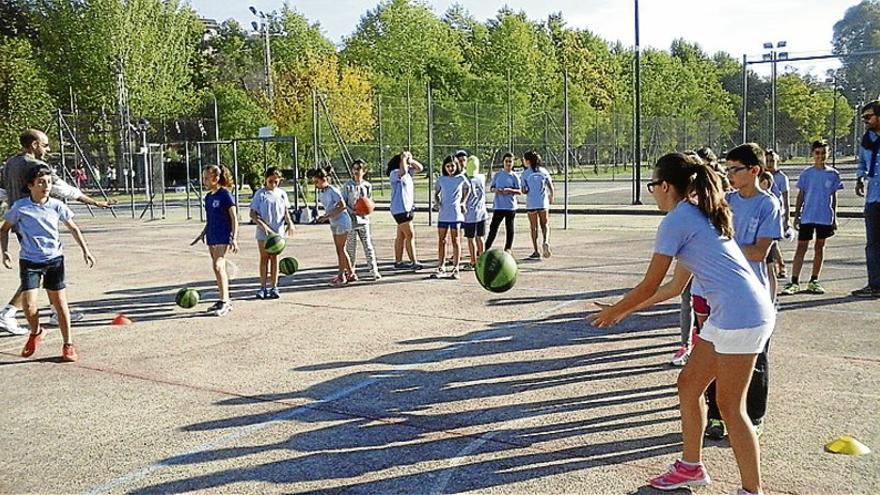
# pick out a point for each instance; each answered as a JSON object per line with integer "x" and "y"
{"x": 680, "y": 476}
{"x": 338, "y": 281}
{"x": 680, "y": 358}
{"x": 351, "y": 277}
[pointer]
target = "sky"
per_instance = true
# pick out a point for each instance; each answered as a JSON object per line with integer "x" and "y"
{"x": 738, "y": 28}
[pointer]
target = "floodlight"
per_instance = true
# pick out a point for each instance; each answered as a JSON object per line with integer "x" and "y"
{"x": 768, "y": 46}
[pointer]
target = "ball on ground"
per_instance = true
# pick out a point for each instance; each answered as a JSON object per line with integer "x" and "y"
{"x": 187, "y": 298}
{"x": 288, "y": 266}
{"x": 496, "y": 270}
{"x": 274, "y": 244}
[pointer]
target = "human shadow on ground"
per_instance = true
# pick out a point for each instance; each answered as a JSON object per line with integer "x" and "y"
{"x": 487, "y": 409}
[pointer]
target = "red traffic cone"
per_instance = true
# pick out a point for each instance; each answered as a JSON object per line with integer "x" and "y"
{"x": 121, "y": 319}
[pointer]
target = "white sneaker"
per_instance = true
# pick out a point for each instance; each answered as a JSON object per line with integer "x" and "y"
{"x": 75, "y": 316}
{"x": 10, "y": 324}
{"x": 547, "y": 252}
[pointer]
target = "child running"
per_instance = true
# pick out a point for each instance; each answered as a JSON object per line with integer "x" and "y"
{"x": 336, "y": 213}
{"x": 41, "y": 260}
{"x": 817, "y": 198}
{"x": 506, "y": 186}
{"x": 401, "y": 170}
{"x": 270, "y": 210}
{"x": 354, "y": 189}
{"x": 538, "y": 187}
{"x": 221, "y": 229}
{"x": 450, "y": 192}
{"x": 475, "y": 215}
{"x": 698, "y": 231}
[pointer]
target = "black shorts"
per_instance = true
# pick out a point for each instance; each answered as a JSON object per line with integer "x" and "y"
{"x": 535, "y": 210}
{"x": 822, "y": 231}
{"x": 50, "y": 272}
{"x": 403, "y": 217}
{"x": 475, "y": 229}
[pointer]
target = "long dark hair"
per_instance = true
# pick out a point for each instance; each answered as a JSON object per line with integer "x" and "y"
{"x": 393, "y": 164}
{"x": 451, "y": 159}
{"x": 322, "y": 173}
{"x": 692, "y": 179}
{"x": 533, "y": 158}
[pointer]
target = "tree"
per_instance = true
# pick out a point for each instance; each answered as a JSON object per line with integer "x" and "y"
{"x": 859, "y": 30}
{"x": 24, "y": 99}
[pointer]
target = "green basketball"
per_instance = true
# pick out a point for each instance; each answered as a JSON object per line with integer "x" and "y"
{"x": 496, "y": 270}
{"x": 288, "y": 266}
{"x": 274, "y": 244}
{"x": 187, "y": 298}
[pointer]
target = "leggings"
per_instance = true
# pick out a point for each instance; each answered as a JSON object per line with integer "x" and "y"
{"x": 497, "y": 216}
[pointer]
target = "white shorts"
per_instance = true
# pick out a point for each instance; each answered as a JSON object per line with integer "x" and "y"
{"x": 340, "y": 228}
{"x": 739, "y": 341}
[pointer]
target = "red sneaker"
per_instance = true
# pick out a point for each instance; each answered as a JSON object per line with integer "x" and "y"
{"x": 681, "y": 476}
{"x": 30, "y": 347}
{"x": 68, "y": 353}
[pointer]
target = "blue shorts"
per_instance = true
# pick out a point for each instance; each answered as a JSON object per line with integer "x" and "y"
{"x": 50, "y": 272}
{"x": 449, "y": 225}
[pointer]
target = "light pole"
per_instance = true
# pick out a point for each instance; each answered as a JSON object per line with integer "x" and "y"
{"x": 773, "y": 56}
{"x": 833, "y": 82}
{"x": 637, "y": 169}
{"x": 263, "y": 28}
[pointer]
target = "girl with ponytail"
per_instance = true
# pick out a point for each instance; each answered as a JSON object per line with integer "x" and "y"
{"x": 336, "y": 213}
{"x": 221, "y": 229}
{"x": 698, "y": 232}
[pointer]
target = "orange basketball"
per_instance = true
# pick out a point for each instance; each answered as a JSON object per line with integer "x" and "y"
{"x": 364, "y": 206}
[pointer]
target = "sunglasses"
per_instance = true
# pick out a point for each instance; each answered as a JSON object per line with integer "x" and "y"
{"x": 651, "y": 185}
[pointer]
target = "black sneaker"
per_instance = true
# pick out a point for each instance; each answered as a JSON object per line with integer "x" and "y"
{"x": 715, "y": 429}
{"x": 214, "y": 307}
{"x": 415, "y": 266}
{"x": 867, "y": 292}
{"x": 401, "y": 266}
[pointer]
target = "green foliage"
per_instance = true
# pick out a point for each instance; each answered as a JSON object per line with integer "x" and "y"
{"x": 24, "y": 100}
{"x": 859, "y": 30}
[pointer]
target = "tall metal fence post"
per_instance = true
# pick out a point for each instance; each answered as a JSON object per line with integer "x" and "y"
{"x": 745, "y": 98}
{"x": 509, "y": 114}
{"x": 237, "y": 185}
{"x": 567, "y": 149}
{"x": 315, "y": 138}
{"x": 637, "y": 169}
{"x": 430, "y": 154}
{"x": 188, "y": 178}
{"x": 297, "y": 190}
{"x": 476, "y": 128}
{"x": 408, "y": 118}
{"x": 381, "y": 154}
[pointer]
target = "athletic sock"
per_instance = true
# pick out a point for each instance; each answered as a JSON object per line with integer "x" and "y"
{"x": 691, "y": 465}
{"x": 814, "y": 278}
{"x": 794, "y": 280}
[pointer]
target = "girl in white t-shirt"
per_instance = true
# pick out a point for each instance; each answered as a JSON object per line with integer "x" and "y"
{"x": 270, "y": 210}
{"x": 698, "y": 231}
{"x": 336, "y": 213}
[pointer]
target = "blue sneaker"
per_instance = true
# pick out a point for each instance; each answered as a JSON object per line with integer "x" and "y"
{"x": 273, "y": 293}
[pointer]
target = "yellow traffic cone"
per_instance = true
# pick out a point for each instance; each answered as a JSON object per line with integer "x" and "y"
{"x": 847, "y": 445}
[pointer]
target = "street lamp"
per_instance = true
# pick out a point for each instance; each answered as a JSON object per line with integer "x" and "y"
{"x": 263, "y": 28}
{"x": 773, "y": 56}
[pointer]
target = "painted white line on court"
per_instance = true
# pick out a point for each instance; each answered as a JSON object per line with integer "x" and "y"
{"x": 469, "y": 449}
{"x": 249, "y": 430}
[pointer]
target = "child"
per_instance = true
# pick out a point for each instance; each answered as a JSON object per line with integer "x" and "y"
{"x": 401, "y": 170}
{"x": 538, "y": 187}
{"x": 36, "y": 219}
{"x": 336, "y": 213}
{"x": 757, "y": 221}
{"x": 356, "y": 188}
{"x": 698, "y": 231}
{"x": 450, "y": 192}
{"x": 766, "y": 183}
{"x": 221, "y": 229}
{"x": 780, "y": 189}
{"x": 475, "y": 215}
{"x": 817, "y": 196}
{"x": 270, "y": 210}
{"x": 506, "y": 186}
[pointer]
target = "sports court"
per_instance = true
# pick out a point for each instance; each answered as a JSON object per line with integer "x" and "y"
{"x": 410, "y": 385}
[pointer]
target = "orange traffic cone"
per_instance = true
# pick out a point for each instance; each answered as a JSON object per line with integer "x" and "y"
{"x": 121, "y": 319}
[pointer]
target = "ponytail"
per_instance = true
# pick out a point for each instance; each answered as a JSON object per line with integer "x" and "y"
{"x": 533, "y": 158}
{"x": 696, "y": 181}
{"x": 321, "y": 173}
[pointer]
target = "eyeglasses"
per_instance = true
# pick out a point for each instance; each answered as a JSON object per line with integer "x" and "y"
{"x": 733, "y": 170}
{"x": 867, "y": 116}
{"x": 651, "y": 185}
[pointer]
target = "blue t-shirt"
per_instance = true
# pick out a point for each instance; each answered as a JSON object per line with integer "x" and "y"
{"x": 758, "y": 216}
{"x": 505, "y": 180}
{"x": 402, "y": 195}
{"x": 536, "y": 185}
{"x": 37, "y": 228}
{"x": 217, "y": 206}
{"x": 272, "y": 207}
{"x": 476, "y": 202}
{"x": 819, "y": 186}
{"x": 329, "y": 197}
{"x": 780, "y": 184}
{"x": 452, "y": 190}
{"x": 737, "y": 298}
{"x": 872, "y": 182}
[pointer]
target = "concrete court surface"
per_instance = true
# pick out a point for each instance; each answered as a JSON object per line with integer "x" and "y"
{"x": 410, "y": 385}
